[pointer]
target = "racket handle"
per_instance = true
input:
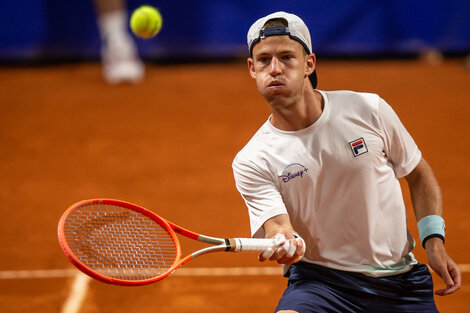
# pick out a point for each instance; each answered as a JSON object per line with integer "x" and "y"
{"x": 252, "y": 244}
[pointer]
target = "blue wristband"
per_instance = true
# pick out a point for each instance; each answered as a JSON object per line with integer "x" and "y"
{"x": 431, "y": 226}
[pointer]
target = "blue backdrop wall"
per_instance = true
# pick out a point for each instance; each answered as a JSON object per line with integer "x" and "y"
{"x": 35, "y": 29}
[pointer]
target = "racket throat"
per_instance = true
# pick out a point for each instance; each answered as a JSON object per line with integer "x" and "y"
{"x": 227, "y": 244}
{"x": 218, "y": 248}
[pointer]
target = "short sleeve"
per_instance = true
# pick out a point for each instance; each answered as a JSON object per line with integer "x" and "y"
{"x": 400, "y": 147}
{"x": 259, "y": 193}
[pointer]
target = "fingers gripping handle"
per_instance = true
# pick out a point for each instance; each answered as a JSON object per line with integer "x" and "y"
{"x": 252, "y": 244}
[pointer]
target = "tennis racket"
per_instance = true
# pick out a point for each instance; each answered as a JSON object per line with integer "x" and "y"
{"x": 122, "y": 243}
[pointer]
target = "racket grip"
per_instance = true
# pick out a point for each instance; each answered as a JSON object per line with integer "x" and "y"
{"x": 252, "y": 244}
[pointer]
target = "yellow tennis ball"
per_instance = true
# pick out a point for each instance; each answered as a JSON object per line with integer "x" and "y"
{"x": 146, "y": 21}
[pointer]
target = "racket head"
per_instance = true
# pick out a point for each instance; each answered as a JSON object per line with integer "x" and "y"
{"x": 118, "y": 242}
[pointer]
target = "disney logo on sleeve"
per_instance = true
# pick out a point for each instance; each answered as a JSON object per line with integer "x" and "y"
{"x": 293, "y": 171}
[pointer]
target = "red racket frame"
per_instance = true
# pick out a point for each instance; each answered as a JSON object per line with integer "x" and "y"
{"x": 168, "y": 226}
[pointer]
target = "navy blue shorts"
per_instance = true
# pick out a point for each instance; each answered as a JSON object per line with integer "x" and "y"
{"x": 314, "y": 288}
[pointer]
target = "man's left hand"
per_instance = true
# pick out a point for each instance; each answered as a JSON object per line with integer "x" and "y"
{"x": 444, "y": 266}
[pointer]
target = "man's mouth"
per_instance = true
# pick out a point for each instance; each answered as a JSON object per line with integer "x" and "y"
{"x": 275, "y": 83}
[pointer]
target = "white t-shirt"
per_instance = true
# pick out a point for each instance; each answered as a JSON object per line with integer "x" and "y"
{"x": 338, "y": 181}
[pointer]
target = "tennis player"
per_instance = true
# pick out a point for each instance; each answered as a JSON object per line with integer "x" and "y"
{"x": 323, "y": 173}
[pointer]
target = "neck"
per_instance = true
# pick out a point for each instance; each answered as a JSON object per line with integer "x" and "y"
{"x": 300, "y": 114}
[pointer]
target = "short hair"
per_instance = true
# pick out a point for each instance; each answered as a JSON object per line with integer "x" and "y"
{"x": 276, "y": 22}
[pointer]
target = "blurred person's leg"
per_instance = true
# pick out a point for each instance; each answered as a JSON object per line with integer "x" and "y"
{"x": 119, "y": 55}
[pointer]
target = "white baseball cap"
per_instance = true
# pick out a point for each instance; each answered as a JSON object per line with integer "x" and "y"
{"x": 296, "y": 30}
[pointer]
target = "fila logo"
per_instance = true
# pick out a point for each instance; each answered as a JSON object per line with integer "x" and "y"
{"x": 358, "y": 146}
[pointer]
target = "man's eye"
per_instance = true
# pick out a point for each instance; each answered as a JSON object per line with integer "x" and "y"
{"x": 286, "y": 57}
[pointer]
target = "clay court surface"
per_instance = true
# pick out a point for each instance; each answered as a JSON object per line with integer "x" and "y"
{"x": 167, "y": 144}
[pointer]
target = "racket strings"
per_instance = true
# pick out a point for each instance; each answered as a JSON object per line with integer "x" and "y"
{"x": 119, "y": 243}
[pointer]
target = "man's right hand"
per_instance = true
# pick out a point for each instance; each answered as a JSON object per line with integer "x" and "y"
{"x": 289, "y": 251}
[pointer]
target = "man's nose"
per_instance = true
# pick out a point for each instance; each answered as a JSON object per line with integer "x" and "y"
{"x": 275, "y": 67}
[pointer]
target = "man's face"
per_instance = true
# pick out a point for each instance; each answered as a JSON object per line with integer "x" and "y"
{"x": 280, "y": 66}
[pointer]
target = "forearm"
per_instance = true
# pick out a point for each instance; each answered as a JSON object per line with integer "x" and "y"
{"x": 426, "y": 195}
{"x": 277, "y": 224}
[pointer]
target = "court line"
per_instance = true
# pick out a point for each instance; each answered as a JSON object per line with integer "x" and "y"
{"x": 32, "y": 274}
{"x": 228, "y": 271}
{"x": 187, "y": 271}
{"x": 77, "y": 294}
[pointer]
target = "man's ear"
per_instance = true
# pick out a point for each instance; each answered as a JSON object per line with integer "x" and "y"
{"x": 251, "y": 67}
{"x": 311, "y": 63}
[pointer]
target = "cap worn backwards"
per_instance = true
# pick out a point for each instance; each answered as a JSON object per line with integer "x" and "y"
{"x": 296, "y": 30}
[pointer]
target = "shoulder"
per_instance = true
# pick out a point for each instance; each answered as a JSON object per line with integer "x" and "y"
{"x": 354, "y": 105}
{"x": 258, "y": 144}
{"x": 353, "y": 98}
